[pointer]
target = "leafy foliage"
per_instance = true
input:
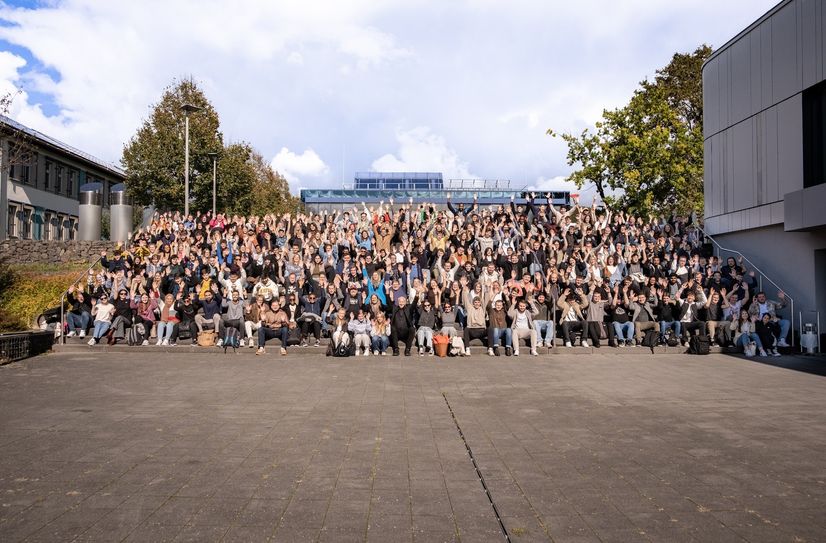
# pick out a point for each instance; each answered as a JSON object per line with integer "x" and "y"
{"x": 154, "y": 161}
{"x": 25, "y": 293}
{"x": 651, "y": 150}
{"x": 154, "y": 157}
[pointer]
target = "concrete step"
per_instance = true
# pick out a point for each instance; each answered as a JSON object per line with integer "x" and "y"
{"x": 273, "y": 346}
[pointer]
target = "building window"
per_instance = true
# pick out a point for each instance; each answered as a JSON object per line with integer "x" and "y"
{"x": 26, "y": 219}
{"x": 70, "y": 182}
{"x": 814, "y": 135}
{"x": 46, "y": 232}
{"x": 58, "y": 183}
{"x": 72, "y": 226}
{"x": 47, "y": 182}
{"x": 11, "y": 171}
{"x": 11, "y": 227}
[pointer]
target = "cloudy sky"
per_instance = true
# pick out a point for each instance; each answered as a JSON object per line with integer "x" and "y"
{"x": 328, "y": 88}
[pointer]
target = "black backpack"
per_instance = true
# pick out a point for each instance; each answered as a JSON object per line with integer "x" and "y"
{"x": 135, "y": 335}
{"x": 650, "y": 339}
{"x": 699, "y": 345}
{"x": 344, "y": 349}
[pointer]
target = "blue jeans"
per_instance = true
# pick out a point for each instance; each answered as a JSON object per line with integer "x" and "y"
{"x": 549, "y": 329}
{"x": 784, "y": 329}
{"x": 101, "y": 327}
{"x": 380, "y": 343}
{"x": 265, "y": 333}
{"x": 748, "y": 338}
{"x": 78, "y": 321}
{"x": 164, "y": 330}
{"x": 624, "y": 331}
{"x": 496, "y": 333}
{"x": 425, "y": 337}
{"x": 675, "y": 325}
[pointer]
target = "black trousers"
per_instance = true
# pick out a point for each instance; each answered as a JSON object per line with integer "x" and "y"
{"x": 185, "y": 325}
{"x": 310, "y": 325}
{"x": 593, "y": 331}
{"x": 475, "y": 333}
{"x": 397, "y": 334}
{"x": 572, "y": 326}
{"x": 690, "y": 327}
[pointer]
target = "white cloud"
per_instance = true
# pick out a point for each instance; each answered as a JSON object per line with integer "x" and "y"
{"x": 296, "y": 168}
{"x": 366, "y": 68}
{"x": 422, "y": 151}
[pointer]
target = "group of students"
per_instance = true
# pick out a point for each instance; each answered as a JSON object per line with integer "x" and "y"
{"x": 384, "y": 276}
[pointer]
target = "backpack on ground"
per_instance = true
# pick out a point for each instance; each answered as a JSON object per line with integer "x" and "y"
{"x": 232, "y": 338}
{"x": 206, "y": 338}
{"x": 134, "y": 335}
{"x": 650, "y": 339}
{"x": 343, "y": 350}
{"x": 699, "y": 345}
{"x": 457, "y": 346}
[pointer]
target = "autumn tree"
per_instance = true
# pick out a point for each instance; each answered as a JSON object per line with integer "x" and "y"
{"x": 649, "y": 153}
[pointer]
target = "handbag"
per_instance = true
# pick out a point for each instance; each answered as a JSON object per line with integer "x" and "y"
{"x": 206, "y": 338}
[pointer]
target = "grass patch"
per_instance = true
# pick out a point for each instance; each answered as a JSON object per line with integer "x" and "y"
{"x": 27, "y": 290}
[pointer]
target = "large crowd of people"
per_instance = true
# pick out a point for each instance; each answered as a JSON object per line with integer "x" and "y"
{"x": 389, "y": 277}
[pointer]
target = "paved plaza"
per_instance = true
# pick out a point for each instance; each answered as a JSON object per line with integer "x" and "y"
{"x": 189, "y": 447}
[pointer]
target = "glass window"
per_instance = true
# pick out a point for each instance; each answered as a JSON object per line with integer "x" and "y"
{"x": 72, "y": 226}
{"x": 47, "y": 182}
{"x": 11, "y": 171}
{"x": 814, "y": 135}
{"x": 45, "y": 234}
{"x": 70, "y": 182}
{"x": 58, "y": 183}
{"x": 12, "y": 222}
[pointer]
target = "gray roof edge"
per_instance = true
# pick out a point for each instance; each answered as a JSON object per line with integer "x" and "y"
{"x": 48, "y": 140}
{"x": 746, "y": 30}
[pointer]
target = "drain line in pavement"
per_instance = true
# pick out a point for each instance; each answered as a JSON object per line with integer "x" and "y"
{"x": 478, "y": 472}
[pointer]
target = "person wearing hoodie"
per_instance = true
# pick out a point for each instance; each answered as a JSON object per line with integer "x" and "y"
{"x": 234, "y": 317}
{"x": 80, "y": 313}
{"x": 360, "y": 327}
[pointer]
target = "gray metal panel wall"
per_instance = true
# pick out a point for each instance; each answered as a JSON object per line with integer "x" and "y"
{"x": 753, "y": 114}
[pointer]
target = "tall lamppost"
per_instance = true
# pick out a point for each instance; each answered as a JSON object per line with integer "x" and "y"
{"x": 187, "y": 109}
{"x": 214, "y": 157}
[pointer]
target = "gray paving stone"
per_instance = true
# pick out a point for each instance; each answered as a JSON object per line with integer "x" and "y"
{"x": 122, "y": 446}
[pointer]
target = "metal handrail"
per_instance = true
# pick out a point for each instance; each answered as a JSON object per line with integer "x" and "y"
{"x": 720, "y": 248}
{"x": 63, "y": 301}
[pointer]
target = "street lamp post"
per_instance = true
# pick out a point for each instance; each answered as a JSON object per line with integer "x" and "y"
{"x": 187, "y": 109}
{"x": 214, "y": 157}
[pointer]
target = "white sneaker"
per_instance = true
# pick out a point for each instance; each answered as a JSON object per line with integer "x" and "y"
{"x": 568, "y": 344}
{"x": 165, "y": 342}
{"x": 534, "y": 353}
{"x": 490, "y": 352}
{"x": 220, "y": 343}
{"x": 145, "y": 342}
{"x": 421, "y": 351}
{"x": 763, "y": 352}
{"x": 516, "y": 352}
{"x": 384, "y": 353}
{"x": 82, "y": 333}
{"x": 92, "y": 342}
{"x": 366, "y": 352}
{"x": 467, "y": 351}
{"x": 241, "y": 343}
{"x": 375, "y": 352}
{"x": 549, "y": 344}
{"x": 782, "y": 343}
{"x": 159, "y": 342}
{"x": 260, "y": 351}
{"x": 775, "y": 353}
{"x": 251, "y": 343}
{"x": 585, "y": 343}
{"x": 71, "y": 333}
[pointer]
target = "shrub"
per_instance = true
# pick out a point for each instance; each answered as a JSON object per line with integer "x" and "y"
{"x": 25, "y": 293}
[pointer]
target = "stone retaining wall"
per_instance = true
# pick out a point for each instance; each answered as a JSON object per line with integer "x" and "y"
{"x": 23, "y": 251}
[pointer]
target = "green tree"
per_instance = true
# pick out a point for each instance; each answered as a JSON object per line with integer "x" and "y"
{"x": 650, "y": 151}
{"x": 154, "y": 157}
{"x": 272, "y": 190}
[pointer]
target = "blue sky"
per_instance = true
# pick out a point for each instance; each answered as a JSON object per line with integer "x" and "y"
{"x": 325, "y": 88}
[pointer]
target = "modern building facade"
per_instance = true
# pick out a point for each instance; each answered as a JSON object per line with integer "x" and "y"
{"x": 40, "y": 179}
{"x": 764, "y": 123}
{"x": 423, "y": 187}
